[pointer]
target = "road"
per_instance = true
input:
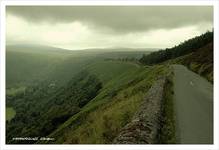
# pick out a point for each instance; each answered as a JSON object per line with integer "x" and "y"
{"x": 193, "y": 101}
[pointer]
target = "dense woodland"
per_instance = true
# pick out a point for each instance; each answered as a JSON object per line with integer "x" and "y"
{"x": 35, "y": 116}
{"x": 200, "y": 61}
{"x": 184, "y": 48}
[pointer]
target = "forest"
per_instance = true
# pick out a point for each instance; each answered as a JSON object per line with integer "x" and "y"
{"x": 183, "y": 48}
{"x": 37, "y": 117}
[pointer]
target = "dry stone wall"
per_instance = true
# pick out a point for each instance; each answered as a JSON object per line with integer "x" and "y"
{"x": 145, "y": 124}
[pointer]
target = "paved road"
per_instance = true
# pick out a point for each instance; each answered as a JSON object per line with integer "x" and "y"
{"x": 194, "y": 107}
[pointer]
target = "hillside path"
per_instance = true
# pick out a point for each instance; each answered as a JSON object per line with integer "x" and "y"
{"x": 193, "y": 97}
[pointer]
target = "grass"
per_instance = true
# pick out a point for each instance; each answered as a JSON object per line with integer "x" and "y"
{"x": 10, "y": 113}
{"x": 104, "y": 124}
{"x": 167, "y": 131}
{"x": 107, "y": 70}
{"x": 102, "y": 118}
{"x": 124, "y": 87}
{"x": 27, "y": 65}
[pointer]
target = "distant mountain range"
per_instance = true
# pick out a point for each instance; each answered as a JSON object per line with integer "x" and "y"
{"x": 33, "y": 47}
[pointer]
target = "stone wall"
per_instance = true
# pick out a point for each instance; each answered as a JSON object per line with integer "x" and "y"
{"x": 145, "y": 124}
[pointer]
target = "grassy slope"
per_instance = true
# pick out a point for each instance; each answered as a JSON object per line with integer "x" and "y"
{"x": 107, "y": 70}
{"x": 102, "y": 118}
{"x": 200, "y": 61}
{"x": 125, "y": 85}
{"x": 28, "y": 64}
{"x": 25, "y": 68}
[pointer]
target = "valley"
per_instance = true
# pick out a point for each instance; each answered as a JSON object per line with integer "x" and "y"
{"x": 89, "y": 96}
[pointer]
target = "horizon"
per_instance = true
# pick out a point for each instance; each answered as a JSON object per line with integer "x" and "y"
{"x": 130, "y": 49}
{"x": 92, "y": 48}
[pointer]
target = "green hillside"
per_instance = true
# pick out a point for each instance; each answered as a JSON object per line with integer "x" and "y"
{"x": 54, "y": 90}
{"x": 201, "y": 61}
{"x": 195, "y": 53}
{"x": 87, "y": 97}
{"x": 101, "y": 119}
{"x": 186, "y": 47}
{"x": 28, "y": 64}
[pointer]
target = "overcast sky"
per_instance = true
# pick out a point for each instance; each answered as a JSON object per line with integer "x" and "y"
{"x": 79, "y": 27}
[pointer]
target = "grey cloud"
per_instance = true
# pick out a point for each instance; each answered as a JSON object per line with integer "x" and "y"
{"x": 118, "y": 18}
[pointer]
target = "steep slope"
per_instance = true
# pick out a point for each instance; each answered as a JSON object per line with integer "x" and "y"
{"x": 44, "y": 107}
{"x": 56, "y": 98}
{"x": 201, "y": 61}
{"x": 28, "y": 64}
{"x": 195, "y": 53}
{"x": 188, "y": 46}
{"x": 102, "y": 118}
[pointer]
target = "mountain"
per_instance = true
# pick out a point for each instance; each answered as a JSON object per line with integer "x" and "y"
{"x": 87, "y": 97}
{"x": 27, "y": 64}
{"x": 48, "y": 87}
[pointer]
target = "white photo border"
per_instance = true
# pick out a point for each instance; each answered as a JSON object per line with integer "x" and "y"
{"x": 3, "y": 5}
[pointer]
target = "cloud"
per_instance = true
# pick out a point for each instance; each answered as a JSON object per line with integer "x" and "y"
{"x": 117, "y": 19}
{"x": 102, "y": 27}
